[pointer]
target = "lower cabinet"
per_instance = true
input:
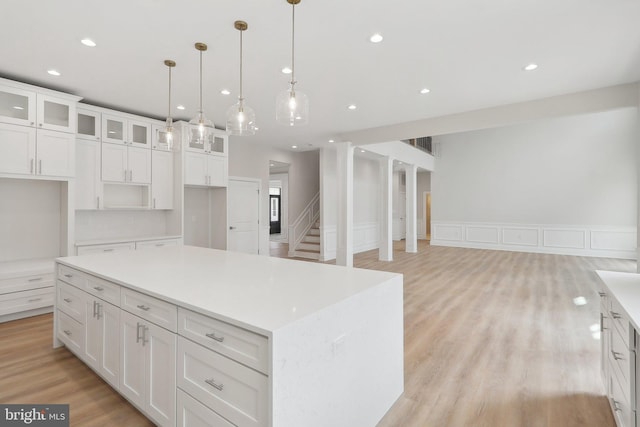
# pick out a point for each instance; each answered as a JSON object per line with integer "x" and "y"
{"x": 26, "y": 288}
{"x": 147, "y": 367}
{"x": 192, "y": 413}
{"x": 102, "y": 338}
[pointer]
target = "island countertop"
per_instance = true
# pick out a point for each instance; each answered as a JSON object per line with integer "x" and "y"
{"x": 625, "y": 287}
{"x": 257, "y": 292}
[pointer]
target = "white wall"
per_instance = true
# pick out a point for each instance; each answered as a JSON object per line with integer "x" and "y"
{"x": 92, "y": 225}
{"x": 573, "y": 172}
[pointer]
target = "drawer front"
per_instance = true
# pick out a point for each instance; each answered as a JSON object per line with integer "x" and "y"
{"x": 72, "y": 276}
{"x": 103, "y": 289}
{"x": 192, "y": 413}
{"x": 70, "y": 300}
{"x": 239, "y": 344}
{"x": 623, "y": 361}
{"x": 26, "y": 283}
{"x": 152, "y": 309}
{"x": 99, "y": 249}
{"x": 17, "y": 302}
{"x": 71, "y": 333}
{"x": 619, "y": 404}
{"x": 619, "y": 320}
{"x": 156, "y": 243}
{"x": 234, "y": 391}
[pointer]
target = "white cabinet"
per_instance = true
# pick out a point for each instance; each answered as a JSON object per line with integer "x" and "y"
{"x": 27, "y": 151}
{"x": 89, "y": 124}
{"x": 192, "y": 413}
{"x": 26, "y": 288}
{"x": 161, "y": 179}
{"x": 121, "y": 163}
{"x": 56, "y": 113}
{"x": 204, "y": 169}
{"x": 17, "y": 106}
{"x": 126, "y": 131}
{"x": 88, "y": 183}
{"x": 105, "y": 248}
{"x": 147, "y": 361}
{"x": 160, "y": 139}
{"x": 102, "y": 338}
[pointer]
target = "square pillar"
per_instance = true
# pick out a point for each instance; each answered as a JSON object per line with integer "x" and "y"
{"x": 385, "y": 251}
{"x": 411, "y": 241}
{"x": 344, "y": 192}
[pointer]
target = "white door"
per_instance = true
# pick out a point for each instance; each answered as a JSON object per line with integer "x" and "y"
{"x": 17, "y": 149}
{"x": 139, "y": 162}
{"x": 244, "y": 216}
{"x": 56, "y": 153}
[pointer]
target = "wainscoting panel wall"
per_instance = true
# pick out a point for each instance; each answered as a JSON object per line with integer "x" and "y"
{"x": 598, "y": 241}
{"x": 366, "y": 236}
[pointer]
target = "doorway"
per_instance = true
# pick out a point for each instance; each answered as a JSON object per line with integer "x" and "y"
{"x": 275, "y": 210}
{"x": 279, "y": 186}
{"x": 427, "y": 214}
{"x": 244, "y": 215}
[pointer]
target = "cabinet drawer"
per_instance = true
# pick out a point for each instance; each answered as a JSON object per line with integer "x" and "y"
{"x": 192, "y": 413}
{"x": 103, "y": 289}
{"x": 17, "y": 302}
{"x": 72, "y": 276}
{"x": 619, "y": 320}
{"x": 234, "y": 391}
{"x": 71, "y": 333}
{"x": 623, "y": 361}
{"x": 70, "y": 300}
{"x": 156, "y": 243}
{"x": 624, "y": 415}
{"x": 26, "y": 283}
{"x": 239, "y": 344}
{"x": 152, "y": 309}
{"x": 98, "y": 249}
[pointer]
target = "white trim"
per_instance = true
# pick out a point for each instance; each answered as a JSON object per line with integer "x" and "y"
{"x": 596, "y": 241}
{"x": 366, "y": 237}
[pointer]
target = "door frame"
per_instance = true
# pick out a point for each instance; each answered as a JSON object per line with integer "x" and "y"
{"x": 263, "y": 247}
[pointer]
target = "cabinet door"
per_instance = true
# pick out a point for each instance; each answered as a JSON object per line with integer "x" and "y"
{"x": 139, "y": 133}
{"x": 88, "y": 183}
{"x": 132, "y": 359}
{"x": 160, "y": 141}
{"x": 139, "y": 163}
{"x": 195, "y": 169}
{"x": 114, "y": 162}
{"x": 114, "y": 129}
{"x": 218, "y": 143}
{"x": 17, "y": 106}
{"x": 217, "y": 171}
{"x": 89, "y": 124}
{"x": 161, "y": 179}
{"x": 17, "y": 149}
{"x": 110, "y": 357}
{"x": 93, "y": 333}
{"x": 56, "y": 153}
{"x": 56, "y": 114}
{"x": 160, "y": 346}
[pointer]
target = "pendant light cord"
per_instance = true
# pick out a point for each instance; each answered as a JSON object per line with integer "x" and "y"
{"x": 169, "y": 106}
{"x": 241, "y": 65}
{"x": 201, "y": 85}
{"x": 293, "y": 38}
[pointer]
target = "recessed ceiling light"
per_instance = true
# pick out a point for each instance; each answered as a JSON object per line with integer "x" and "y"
{"x": 331, "y": 140}
{"x": 88, "y": 42}
{"x": 17, "y": 107}
{"x": 376, "y": 38}
{"x": 53, "y": 72}
{"x": 399, "y": 163}
{"x": 352, "y": 107}
{"x": 294, "y": 146}
{"x": 530, "y": 67}
{"x": 225, "y": 92}
{"x": 362, "y": 151}
{"x": 271, "y": 164}
{"x": 180, "y": 107}
{"x": 424, "y": 90}
{"x": 256, "y": 128}
{"x": 286, "y": 70}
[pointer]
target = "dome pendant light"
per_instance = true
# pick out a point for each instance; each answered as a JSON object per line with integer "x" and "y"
{"x": 205, "y": 126}
{"x": 241, "y": 120}
{"x": 292, "y": 106}
{"x": 168, "y": 130}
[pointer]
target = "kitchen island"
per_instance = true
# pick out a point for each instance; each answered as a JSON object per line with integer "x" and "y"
{"x": 195, "y": 336}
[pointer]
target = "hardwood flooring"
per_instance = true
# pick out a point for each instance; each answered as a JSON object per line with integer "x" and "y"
{"x": 491, "y": 339}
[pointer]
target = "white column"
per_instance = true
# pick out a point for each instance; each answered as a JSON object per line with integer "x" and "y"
{"x": 344, "y": 193}
{"x": 411, "y": 241}
{"x": 385, "y": 252}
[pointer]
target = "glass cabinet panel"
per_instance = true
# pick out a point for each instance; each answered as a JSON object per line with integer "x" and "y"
{"x": 88, "y": 124}
{"x": 16, "y": 106}
{"x": 115, "y": 129}
{"x": 139, "y": 134}
{"x": 56, "y": 114}
{"x": 217, "y": 144}
{"x": 196, "y": 138}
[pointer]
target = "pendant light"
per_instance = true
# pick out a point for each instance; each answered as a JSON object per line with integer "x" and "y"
{"x": 205, "y": 126}
{"x": 168, "y": 130}
{"x": 292, "y": 106}
{"x": 241, "y": 120}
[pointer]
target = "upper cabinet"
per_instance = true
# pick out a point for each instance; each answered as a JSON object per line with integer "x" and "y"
{"x": 123, "y": 130}
{"x": 89, "y": 124}
{"x": 54, "y": 113}
{"x": 17, "y": 106}
{"x": 214, "y": 143}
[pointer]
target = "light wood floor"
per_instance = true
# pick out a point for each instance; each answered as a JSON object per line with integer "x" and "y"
{"x": 491, "y": 339}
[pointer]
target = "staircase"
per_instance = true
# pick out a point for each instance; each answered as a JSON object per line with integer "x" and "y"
{"x": 309, "y": 247}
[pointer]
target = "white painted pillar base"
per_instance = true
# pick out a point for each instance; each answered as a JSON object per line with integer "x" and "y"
{"x": 411, "y": 241}
{"x": 344, "y": 192}
{"x": 385, "y": 252}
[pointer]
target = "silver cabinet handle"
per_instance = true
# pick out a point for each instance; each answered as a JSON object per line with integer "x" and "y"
{"x": 94, "y": 309}
{"x": 108, "y": 250}
{"x": 144, "y": 335}
{"x": 68, "y": 300}
{"x": 40, "y": 167}
{"x": 616, "y": 405}
{"x": 231, "y": 227}
{"x": 125, "y": 175}
{"x": 67, "y": 332}
{"x": 154, "y": 203}
{"x": 213, "y": 384}
{"x": 40, "y": 124}
{"x": 98, "y": 202}
{"x": 213, "y": 336}
{"x": 139, "y": 325}
{"x": 159, "y": 244}
{"x": 143, "y": 307}
{"x": 98, "y": 288}
{"x": 31, "y": 167}
{"x": 130, "y": 175}
{"x": 602, "y": 294}
{"x": 35, "y": 279}
{"x": 34, "y": 299}
{"x": 615, "y": 315}
{"x": 98, "y": 310}
{"x": 616, "y": 355}
{"x": 68, "y": 276}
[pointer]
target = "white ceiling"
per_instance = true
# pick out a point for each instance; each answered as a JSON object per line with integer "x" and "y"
{"x": 469, "y": 53}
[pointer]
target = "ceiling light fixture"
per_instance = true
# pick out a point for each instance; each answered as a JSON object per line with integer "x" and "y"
{"x": 294, "y": 146}
{"x": 180, "y": 107}
{"x": 53, "y": 72}
{"x": 352, "y": 107}
{"x": 286, "y": 70}
{"x": 530, "y": 67}
{"x": 292, "y": 107}
{"x": 225, "y": 92}
{"x": 88, "y": 42}
{"x": 424, "y": 90}
{"x": 331, "y": 140}
{"x": 241, "y": 119}
{"x": 205, "y": 126}
{"x": 169, "y": 123}
{"x": 17, "y": 107}
{"x": 376, "y": 38}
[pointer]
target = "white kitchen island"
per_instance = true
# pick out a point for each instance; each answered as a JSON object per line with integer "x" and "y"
{"x": 208, "y": 337}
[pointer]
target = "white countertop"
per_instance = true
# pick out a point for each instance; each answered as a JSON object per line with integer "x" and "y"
{"x": 625, "y": 287}
{"x": 110, "y": 240}
{"x": 258, "y": 292}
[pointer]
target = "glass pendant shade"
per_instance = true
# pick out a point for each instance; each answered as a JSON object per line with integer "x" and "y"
{"x": 241, "y": 119}
{"x": 292, "y": 108}
{"x": 166, "y": 135}
{"x": 201, "y": 135}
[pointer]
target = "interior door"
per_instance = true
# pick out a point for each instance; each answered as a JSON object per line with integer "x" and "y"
{"x": 244, "y": 216}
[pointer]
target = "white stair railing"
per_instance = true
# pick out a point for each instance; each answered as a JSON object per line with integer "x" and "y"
{"x": 303, "y": 223}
